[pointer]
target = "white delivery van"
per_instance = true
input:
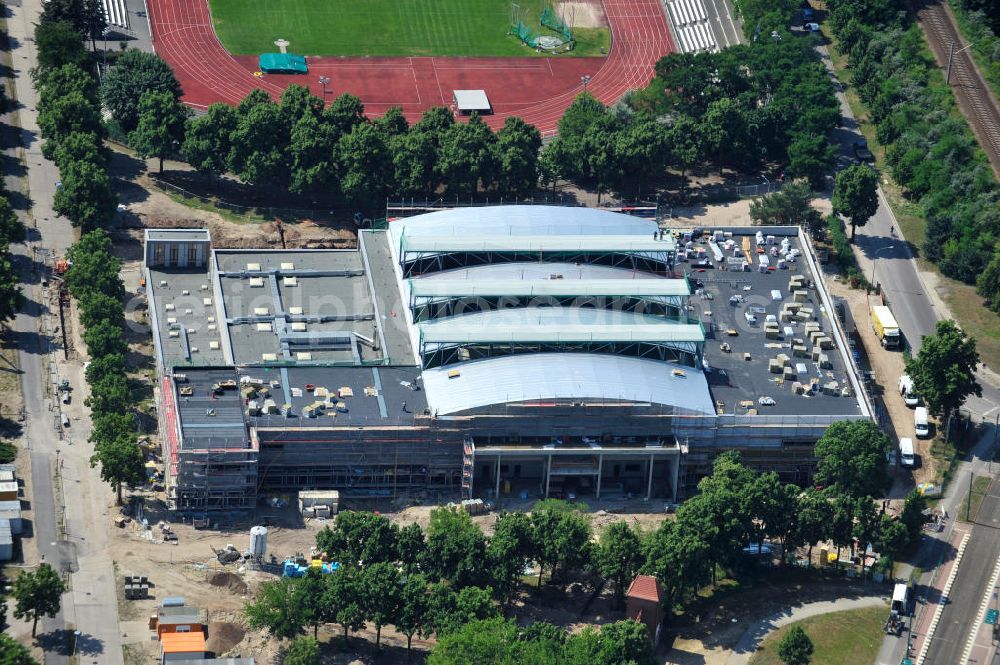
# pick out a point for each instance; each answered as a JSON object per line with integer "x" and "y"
{"x": 906, "y": 457}
{"x": 920, "y": 422}
{"x": 906, "y": 389}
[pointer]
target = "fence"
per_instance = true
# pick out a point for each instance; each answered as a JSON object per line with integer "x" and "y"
{"x": 263, "y": 212}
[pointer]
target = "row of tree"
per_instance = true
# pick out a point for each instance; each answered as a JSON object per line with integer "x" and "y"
{"x": 11, "y": 231}
{"x": 69, "y": 118}
{"x": 433, "y": 582}
{"x": 930, "y": 149}
{"x": 93, "y": 279}
{"x": 303, "y": 145}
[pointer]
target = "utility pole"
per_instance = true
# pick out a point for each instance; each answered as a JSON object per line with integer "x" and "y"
{"x": 968, "y": 504}
{"x": 951, "y": 57}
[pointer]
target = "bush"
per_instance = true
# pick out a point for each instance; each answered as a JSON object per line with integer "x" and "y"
{"x": 8, "y": 451}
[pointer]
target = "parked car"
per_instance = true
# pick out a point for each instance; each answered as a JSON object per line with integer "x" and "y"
{"x": 812, "y": 27}
{"x": 862, "y": 152}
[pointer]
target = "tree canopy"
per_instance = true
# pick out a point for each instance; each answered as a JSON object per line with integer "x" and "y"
{"x": 944, "y": 370}
{"x": 852, "y": 458}
{"x": 37, "y": 594}
{"x": 855, "y": 195}
{"x": 134, "y": 74}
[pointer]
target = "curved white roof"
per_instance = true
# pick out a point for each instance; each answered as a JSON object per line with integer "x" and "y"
{"x": 549, "y": 287}
{"x": 595, "y": 319}
{"x": 535, "y": 270}
{"x": 568, "y": 376}
{"x": 476, "y": 222}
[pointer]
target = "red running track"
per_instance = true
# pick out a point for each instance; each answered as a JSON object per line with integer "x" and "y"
{"x": 536, "y": 89}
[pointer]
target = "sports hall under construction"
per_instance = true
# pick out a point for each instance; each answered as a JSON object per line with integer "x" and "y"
{"x": 492, "y": 351}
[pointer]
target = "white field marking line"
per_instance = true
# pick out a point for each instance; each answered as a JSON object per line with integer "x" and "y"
{"x": 983, "y": 606}
{"x": 942, "y": 602}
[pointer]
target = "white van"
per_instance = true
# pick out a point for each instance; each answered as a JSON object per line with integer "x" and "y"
{"x": 906, "y": 457}
{"x": 920, "y": 422}
{"x": 906, "y": 389}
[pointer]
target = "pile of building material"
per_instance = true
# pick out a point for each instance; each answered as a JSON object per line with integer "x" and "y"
{"x": 136, "y": 587}
{"x": 319, "y": 503}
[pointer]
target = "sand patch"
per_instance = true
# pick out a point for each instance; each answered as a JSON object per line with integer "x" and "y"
{"x": 582, "y": 14}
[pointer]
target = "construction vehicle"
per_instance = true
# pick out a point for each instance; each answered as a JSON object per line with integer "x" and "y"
{"x": 885, "y": 327}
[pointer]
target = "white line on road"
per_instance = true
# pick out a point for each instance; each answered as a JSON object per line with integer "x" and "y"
{"x": 942, "y": 601}
{"x": 983, "y": 606}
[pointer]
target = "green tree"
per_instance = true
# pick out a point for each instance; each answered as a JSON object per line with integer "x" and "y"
{"x": 160, "y": 129}
{"x": 105, "y": 366}
{"x": 11, "y": 228}
{"x": 789, "y": 206}
{"x": 380, "y": 595}
{"x": 448, "y": 611}
{"x": 795, "y": 647}
{"x": 913, "y": 514}
{"x": 345, "y": 113}
{"x": 134, "y": 74}
{"x": 309, "y": 593}
{"x": 14, "y": 653}
{"x": 411, "y": 614}
{"x": 260, "y": 140}
{"x": 38, "y": 594}
{"x": 66, "y": 114}
{"x": 105, "y": 337}
{"x": 893, "y": 537}
{"x": 410, "y": 546}
{"x": 455, "y": 548}
{"x": 866, "y": 526}
{"x": 312, "y": 149}
{"x": 466, "y": 157}
{"x": 811, "y": 156}
{"x": 207, "y": 139}
{"x": 855, "y": 195}
{"x": 988, "y": 283}
{"x": 94, "y": 267}
{"x": 59, "y": 44}
{"x": 11, "y": 298}
{"x": 413, "y": 157}
{"x": 562, "y": 540}
{"x": 517, "y": 147}
{"x": 619, "y": 556}
{"x": 842, "y": 523}
{"x": 78, "y": 147}
{"x": 365, "y": 164}
{"x": 358, "y": 536}
{"x": 477, "y": 643}
{"x": 677, "y": 556}
{"x": 350, "y": 611}
{"x": 302, "y": 651}
{"x": 815, "y": 516}
{"x": 109, "y": 395}
{"x": 851, "y": 458}
{"x": 96, "y": 307}
{"x": 110, "y": 427}
{"x": 944, "y": 370}
{"x": 85, "y": 197}
{"x": 774, "y": 506}
{"x": 508, "y": 552}
{"x": 122, "y": 463}
{"x": 278, "y": 609}
{"x": 624, "y": 642}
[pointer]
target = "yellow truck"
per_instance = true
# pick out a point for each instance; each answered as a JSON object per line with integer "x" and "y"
{"x": 885, "y": 327}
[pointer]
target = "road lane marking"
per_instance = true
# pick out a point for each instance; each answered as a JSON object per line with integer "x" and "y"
{"x": 983, "y": 606}
{"x": 942, "y": 601}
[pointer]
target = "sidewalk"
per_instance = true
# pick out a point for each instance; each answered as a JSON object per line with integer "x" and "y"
{"x": 752, "y": 638}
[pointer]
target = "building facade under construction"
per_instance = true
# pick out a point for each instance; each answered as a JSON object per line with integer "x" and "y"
{"x": 494, "y": 351}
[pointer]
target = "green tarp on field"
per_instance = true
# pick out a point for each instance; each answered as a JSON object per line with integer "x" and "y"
{"x": 282, "y": 63}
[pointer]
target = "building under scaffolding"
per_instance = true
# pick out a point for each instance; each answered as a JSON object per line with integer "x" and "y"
{"x": 533, "y": 350}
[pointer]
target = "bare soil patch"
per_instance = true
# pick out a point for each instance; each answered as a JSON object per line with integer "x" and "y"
{"x": 229, "y": 581}
{"x": 582, "y": 14}
{"x": 223, "y": 636}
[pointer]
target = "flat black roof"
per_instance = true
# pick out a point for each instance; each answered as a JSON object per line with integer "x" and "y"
{"x": 210, "y": 420}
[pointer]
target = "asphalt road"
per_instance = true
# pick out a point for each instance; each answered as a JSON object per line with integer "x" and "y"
{"x": 960, "y": 615}
{"x": 888, "y": 260}
{"x": 90, "y": 606}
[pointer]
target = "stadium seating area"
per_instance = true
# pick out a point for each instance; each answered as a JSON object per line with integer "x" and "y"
{"x": 691, "y": 26}
{"x": 116, "y": 14}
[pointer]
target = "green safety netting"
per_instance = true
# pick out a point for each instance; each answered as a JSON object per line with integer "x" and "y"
{"x": 282, "y": 63}
{"x": 552, "y": 21}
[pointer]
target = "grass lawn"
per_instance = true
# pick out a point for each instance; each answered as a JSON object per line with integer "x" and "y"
{"x": 980, "y": 486}
{"x": 852, "y": 637}
{"x": 386, "y": 27}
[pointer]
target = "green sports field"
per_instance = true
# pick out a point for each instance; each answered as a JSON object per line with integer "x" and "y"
{"x": 386, "y": 27}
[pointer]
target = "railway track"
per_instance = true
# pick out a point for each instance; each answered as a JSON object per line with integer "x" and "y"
{"x": 971, "y": 91}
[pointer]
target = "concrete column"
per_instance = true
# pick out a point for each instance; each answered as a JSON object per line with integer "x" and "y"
{"x": 649, "y": 485}
{"x": 600, "y": 469}
{"x": 676, "y": 478}
{"x": 497, "y": 495}
{"x": 548, "y": 475}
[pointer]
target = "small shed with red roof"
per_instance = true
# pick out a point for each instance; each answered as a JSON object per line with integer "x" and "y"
{"x": 644, "y": 603}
